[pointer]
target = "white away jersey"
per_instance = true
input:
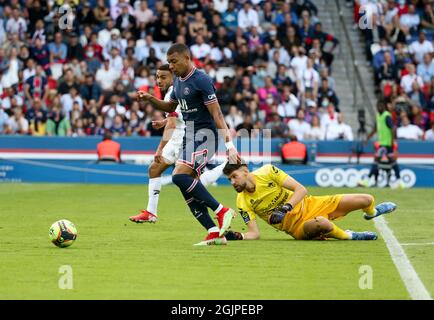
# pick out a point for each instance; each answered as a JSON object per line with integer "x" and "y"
{"x": 180, "y": 124}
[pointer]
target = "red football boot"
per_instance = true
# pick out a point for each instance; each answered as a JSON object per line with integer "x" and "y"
{"x": 144, "y": 216}
{"x": 224, "y": 218}
{"x": 212, "y": 238}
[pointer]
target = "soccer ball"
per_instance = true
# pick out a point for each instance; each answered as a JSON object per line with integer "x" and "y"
{"x": 63, "y": 233}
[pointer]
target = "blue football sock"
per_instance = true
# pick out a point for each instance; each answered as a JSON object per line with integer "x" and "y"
{"x": 194, "y": 188}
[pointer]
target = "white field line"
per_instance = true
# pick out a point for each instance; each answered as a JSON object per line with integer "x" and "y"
{"x": 417, "y": 244}
{"x": 411, "y": 280}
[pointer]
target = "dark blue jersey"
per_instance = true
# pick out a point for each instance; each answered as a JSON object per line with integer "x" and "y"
{"x": 193, "y": 93}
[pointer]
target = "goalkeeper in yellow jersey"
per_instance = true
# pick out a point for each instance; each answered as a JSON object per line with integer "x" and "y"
{"x": 284, "y": 203}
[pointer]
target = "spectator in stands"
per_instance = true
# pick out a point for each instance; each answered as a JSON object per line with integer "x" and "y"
{"x": 58, "y": 124}
{"x": 58, "y": 50}
{"x": 420, "y": 47}
{"x": 410, "y": 21}
{"x": 309, "y": 80}
{"x": 407, "y": 130}
{"x": 247, "y": 17}
{"x": 299, "y": 127}
{"x": 16, "y": 24}
{"x": 106, "y": 76}
{"x": 108, "y": 150}
{"x": 325, "y": 92}
{"x": 408, "y": 80}
{"x": 37, "y": 117}
{"x": 36, "y": 86}
{"x": 429, "y": 134}
{"x": 278, "y": 128}
{"x": 3, "y": 118}
{"x": 339, "y": 130}
{"x": 111, "y": 110}
{"x": 316, "y": 131}
{"x": 91, "y": 90}
{"x": 245, "y": 129}
{"x": 234, "y": 117}
{"x": 17, "y": 123}
{"x": 426, "y": 69}
{"x": 126, "y": 20}
{"x": 150, "y": 129}
{"x": 74, "y": 49}
{"x": 289, "y": 104}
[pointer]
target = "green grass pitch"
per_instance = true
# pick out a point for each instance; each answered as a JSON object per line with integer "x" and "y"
{"x": 113, "y": 258}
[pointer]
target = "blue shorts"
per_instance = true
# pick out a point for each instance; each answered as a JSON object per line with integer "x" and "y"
{"x": 198, "y": 151}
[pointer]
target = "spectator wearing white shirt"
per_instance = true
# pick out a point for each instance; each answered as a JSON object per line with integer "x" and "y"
{"x": 339, "y": 130}
{"x": 30, "y": 70}
{"x": 330, "y": 117}
{"x": 17, "y": 123}
{"x": 309, "y": 79}
{"x": 299, "y": 127}
{"x": 407, "y": 130}
{"x": 142, "y": 51}
{"x": 284, "y": 57}
{"x": 287, "y": 108}
{"x": 316, "y": 131}
{"x": 247, "y": 17}
{"x": 106, "y": 76}
{"x": 116, "y": 60}
{"x": 429, "y": 134}
{"x": 409, "y": 21}
{"x": 426, "y": 69}
{"x": 221, "y": 6}
{"x": 200, "y": 50}
{"x": 298, "y": 62}
{"x": 420, "y": 47}
{"x": 16, "y": 24}
{"x": 143, "y": 14}
{"x": 111, "y": 110}
{"x": 234, "y": 118}
{"x": 67, "y": 101}
{"x": 408, "y": 79}
{"x": 220, "y": 53}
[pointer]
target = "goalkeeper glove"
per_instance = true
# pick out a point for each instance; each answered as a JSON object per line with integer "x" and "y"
{"x": 277, "y": 216}
{"x": 233, "y": 235}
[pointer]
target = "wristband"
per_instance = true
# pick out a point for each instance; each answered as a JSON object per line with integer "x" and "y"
{"x": 288, "y": 207}
{"x": 229, "y": 145}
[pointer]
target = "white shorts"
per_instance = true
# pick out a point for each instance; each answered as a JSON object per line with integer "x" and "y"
{"x": 172, "y": 150}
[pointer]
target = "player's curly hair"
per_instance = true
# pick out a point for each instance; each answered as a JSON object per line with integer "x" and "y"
{"x": 231, "y": 167}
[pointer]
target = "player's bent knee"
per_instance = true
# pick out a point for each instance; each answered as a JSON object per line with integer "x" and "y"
{"x": 367, "y": 200}
{"x": 317, "y": 227}
{"x": 155, "y": 170}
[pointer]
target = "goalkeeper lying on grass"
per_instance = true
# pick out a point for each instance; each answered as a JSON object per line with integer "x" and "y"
{"x": 284, "y": 203}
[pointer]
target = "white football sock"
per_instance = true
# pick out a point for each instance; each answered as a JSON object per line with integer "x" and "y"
{"x": 154, "y": 189}
{"x": 211, "y": 176}
{"x": 165, "y": 180}
{"x": 213, "y": 229}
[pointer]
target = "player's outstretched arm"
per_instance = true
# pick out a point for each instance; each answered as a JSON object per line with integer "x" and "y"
{"x": 251, "y": 234}
{"x": 299, "y": 191}
{"x": 167, "y": 106}
{"x": 216, "y": 112}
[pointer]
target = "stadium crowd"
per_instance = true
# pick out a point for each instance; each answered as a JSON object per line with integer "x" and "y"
{"x": 72, "y": 68}
{"x": 399, "y": 46}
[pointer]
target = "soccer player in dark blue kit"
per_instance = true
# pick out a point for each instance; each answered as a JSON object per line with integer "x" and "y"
{"x": 194, "y": 91}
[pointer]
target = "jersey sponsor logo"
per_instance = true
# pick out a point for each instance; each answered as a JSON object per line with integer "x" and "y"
{"x": 244, "y": 215}
{"x": 271, "y": 185}
{"x": 186, "y": 91}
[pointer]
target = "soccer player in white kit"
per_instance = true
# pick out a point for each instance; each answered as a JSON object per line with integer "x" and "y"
{"x": 168, "y": 151}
